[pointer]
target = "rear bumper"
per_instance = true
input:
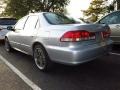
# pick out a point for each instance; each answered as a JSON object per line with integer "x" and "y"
{"x": 79, "y": 55}
{"x": 3, "y": 33}
{"x": 116, "y": 42}
{"x": 2, "y": 37}
{"x": 116, "y": 39}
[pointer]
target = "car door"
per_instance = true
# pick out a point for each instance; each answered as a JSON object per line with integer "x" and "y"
{"x": 29, "y": 33}
{"x": 113, "y": 20}
{"x": 15, "y": 36}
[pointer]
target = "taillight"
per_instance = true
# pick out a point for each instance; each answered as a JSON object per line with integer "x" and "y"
{"x": 75, "y": 36}
{"x": 106, "y": 34}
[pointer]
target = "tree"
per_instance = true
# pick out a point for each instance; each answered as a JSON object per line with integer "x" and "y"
{"x": 96, "y": 9}
{"x": 19, "y": 8}
{"x": 118, "y": 4}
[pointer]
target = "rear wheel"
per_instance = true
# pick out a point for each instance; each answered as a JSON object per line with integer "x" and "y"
{"x": 7, "y": 45}
{"x": 41, "y": 58}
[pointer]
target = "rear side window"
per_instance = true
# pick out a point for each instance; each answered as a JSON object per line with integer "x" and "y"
{"x": 57, "y": 19}
{"x": 7, "y": 21}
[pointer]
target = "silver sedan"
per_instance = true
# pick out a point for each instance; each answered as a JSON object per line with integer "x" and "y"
{"x": 113, "y": 20}
{"x": 51, "y": 37}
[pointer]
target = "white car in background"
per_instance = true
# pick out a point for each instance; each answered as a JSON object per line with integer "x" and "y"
{"x": 113, "y": 20}
{"x": 4, "y": 23}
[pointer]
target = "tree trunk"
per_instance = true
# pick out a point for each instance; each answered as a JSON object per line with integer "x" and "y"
{"x": 118, "y": 4}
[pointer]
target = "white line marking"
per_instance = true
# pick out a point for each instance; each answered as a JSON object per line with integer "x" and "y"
{"x": 115, "y": 53}
{"x": 21, "y": 75}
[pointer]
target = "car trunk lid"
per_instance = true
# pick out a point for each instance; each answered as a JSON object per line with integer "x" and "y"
{"x": 98, "y": 29}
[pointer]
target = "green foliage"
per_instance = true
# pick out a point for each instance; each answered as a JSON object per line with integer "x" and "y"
{"x": 19, "y": 8}
{"x": 96, "y": 9}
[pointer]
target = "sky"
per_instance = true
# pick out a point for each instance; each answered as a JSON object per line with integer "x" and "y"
{"x": 75, "y": 7}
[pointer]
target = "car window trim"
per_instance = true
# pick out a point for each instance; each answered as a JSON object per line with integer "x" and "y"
{"x": 37, "y": 23}
{"x": 27, "y": 20}
{"x": 23, "y": 25}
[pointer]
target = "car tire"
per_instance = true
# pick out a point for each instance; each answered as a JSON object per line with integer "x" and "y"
{"x": 8, "y": 47}
{"x": 41, "y": 58}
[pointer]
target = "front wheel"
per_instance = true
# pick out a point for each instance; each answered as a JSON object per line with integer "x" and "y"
{"x": 7, "y": 45}
{"x": 41, "y": 58}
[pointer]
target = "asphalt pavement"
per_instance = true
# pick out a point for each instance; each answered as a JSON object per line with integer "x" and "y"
{"x": 100, "y": 74}
{"x": 9, "y": 80}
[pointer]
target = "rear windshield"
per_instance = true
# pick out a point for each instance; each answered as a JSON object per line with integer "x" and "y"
{"x": 57, "y": 19}
{"x": 7, "y": 22}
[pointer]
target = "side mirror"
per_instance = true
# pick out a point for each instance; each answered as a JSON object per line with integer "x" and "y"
{"x": 10, "y": 28}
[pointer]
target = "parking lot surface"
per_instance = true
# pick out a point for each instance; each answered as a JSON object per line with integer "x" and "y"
{"x": 100, "y": 74}
{"x": 9, "y": 80}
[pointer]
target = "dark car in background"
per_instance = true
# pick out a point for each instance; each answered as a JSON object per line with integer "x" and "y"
{"x": 4, "y": 23}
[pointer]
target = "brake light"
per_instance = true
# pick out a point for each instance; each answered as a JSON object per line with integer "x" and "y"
{"x": 75, "y": 36}
{"x": 106, "y": 34}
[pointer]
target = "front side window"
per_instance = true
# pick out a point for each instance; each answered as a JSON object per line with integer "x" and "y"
{"x": 31, "y": 23}
{"x": 20, "y": 24}
{"x": 57, "y": 19}
{"x": 113, "y": 18}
